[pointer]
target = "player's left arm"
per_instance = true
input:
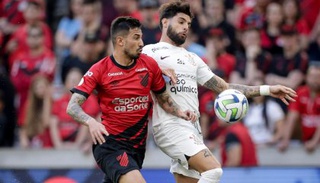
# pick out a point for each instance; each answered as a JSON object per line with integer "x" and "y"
{"x": 170, "y": 106}
{"x": 218, "y": 85}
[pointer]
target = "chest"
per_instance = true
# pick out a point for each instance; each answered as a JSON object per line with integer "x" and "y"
{"x": 179, "y": 60}
{"x": 119, "y": 82}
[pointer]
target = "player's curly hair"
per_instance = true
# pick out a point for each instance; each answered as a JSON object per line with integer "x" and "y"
{"x": 171, "y": 9}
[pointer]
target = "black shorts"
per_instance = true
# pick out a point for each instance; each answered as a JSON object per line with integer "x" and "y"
{"x": 115, "y": 159}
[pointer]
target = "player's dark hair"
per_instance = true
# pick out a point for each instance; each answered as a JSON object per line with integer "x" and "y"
{"x": 169, "y": 10}
{"x": 122, "y": 26}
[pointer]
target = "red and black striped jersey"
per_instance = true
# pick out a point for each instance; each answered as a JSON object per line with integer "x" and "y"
{"x": 124, "y": 96}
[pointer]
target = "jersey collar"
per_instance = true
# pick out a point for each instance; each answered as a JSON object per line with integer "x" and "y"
{"x": 121, "y": 66}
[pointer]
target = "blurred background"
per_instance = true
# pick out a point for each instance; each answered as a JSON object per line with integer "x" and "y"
{"x": 47, "y": 45}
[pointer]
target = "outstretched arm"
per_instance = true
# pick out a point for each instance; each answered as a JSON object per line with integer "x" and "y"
{"x": 286, "y": 94}
{"x": 75, "y": 111}
{"x": 170, "y": 106}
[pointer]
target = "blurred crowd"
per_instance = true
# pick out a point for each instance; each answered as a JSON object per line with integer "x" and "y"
{"x": 47, "y": 45}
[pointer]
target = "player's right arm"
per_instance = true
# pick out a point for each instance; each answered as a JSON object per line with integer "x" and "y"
{"x": 75, "y": 110}
{"x": 80, "y": 94}
{"x": 284, "y": 93}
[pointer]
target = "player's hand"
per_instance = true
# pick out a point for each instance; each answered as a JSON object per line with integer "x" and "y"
{"x": 284, "y": 93}
{"x": 97, "y": 130}
{"x": 171, "y": 74}
{"x": 188, "y": 115}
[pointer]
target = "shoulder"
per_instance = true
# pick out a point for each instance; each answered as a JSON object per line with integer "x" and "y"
{"x": 148, "y": 60}
{"x": 101, "y": 64}
{"x": 154, "y": 48}
{"x": 147, "y": 49}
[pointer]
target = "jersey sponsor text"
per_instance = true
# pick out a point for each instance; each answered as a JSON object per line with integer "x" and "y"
{"x": 131, "y": 104}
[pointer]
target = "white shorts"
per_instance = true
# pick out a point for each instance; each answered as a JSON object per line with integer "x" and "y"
{"x": 179, "y": 139}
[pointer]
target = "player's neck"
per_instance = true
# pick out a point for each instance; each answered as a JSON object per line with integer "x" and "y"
{"x": 166, "y": 39}
{"x": 122, "y": 58}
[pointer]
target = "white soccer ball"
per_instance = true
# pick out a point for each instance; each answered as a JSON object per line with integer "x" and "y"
{"x": 231, "y": 106}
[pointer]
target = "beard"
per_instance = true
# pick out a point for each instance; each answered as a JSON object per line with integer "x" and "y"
{"x": 175, "y": 36}
{"x": 132, "y": 55}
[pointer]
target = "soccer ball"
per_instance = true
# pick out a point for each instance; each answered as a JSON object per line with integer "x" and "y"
{"x": 231, "y": 106}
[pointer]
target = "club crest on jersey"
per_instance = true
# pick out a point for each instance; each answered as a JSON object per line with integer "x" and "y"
{"x": 144, "y": 80}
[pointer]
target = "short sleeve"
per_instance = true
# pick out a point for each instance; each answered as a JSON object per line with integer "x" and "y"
{"x": 158, "y": 84}
{"x": 89, "y": 81}
{"x": 204, "y": 73}
{"x": 91, "y": 106}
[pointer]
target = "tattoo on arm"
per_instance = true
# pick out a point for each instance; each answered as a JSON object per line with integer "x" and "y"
{"x": 218, "y": 85}
{"x": 74, "y": 108}
{"x": 167, "y": 103}
{"x": 207, "y": 153}
{"x": 248, "y": 91}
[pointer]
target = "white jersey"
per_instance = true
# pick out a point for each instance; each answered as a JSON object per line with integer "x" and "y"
{"x": 190, "y": 70}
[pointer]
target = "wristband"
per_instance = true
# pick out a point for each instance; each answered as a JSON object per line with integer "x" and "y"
{"x": 264, "y": 90}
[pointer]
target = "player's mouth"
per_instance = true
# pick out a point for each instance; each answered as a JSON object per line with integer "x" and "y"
{"x": 183, "y": 35}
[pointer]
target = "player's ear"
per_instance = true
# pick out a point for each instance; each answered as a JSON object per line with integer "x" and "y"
{"x": 165, "y": 22}
{"x": 120, "y": 40}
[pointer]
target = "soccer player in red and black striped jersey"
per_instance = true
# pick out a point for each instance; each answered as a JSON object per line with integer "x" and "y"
{"x": 123, "y": 82}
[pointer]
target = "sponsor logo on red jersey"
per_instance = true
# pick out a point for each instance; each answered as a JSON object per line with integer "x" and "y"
{"x": 131, "y": 104}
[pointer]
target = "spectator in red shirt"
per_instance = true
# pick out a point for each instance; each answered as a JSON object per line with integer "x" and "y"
{"x": 65, "y": 132}
{"x": 293, "y": 17}
{"x": 271, "y": 31}
{"x": 36, "y": 59}
{"x": 217, "y": 57}
{"x": 11, "y": 15}
{"x": 306, "y": 110}
{"x": 33, "y": 15}
{"x": 33, "y": 128}
{"x": 310, "y": 12}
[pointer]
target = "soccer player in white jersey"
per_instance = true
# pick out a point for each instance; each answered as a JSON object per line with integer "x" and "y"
{"x": 192, "y": 162}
